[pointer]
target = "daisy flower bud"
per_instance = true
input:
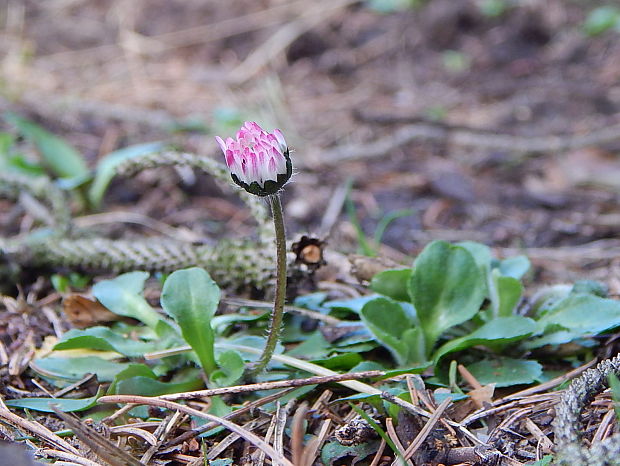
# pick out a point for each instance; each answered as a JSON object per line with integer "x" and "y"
{"x": 258, "y": 161}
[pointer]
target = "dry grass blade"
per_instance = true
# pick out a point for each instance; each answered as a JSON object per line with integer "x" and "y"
{"x": 421, "y": 437}
{"x": 163, "y": 429}
{"x": 298, "y": 432}
{"x": 311, "y": 450}
{"x": 102, "y": 447}
{"x": 63, "y": 455}
{"x": 394, "y": 437}
{"x": 379, "y": 454}
{"x": 604, "y": 427}
{"x": 231, "y": 438}
{"x": 243, "y": 410}
{"x": 272, "y": 385}
{"x": 281, "y": 417}
{"x": 543, "y": 440}
{"x": 261, "y": 456}
{"x": 38, "y": 430}
{"x": 248, "y": 436}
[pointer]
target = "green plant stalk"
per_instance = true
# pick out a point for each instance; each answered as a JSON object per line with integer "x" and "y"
{"x": 280, "y": 294}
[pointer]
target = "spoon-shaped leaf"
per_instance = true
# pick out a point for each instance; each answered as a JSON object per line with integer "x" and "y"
{"x": 191, "y": 297}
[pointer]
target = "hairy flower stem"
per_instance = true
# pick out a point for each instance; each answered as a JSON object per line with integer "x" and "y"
{"x": 280, "y": 295}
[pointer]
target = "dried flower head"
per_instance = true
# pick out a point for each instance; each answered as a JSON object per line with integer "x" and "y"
{"x": 259, "y": 161}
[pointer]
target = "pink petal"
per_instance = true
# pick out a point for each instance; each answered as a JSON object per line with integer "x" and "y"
{"x": 280, "y": 137}
{"x": 230, "y": 158}
{"x": 221, "y": 143}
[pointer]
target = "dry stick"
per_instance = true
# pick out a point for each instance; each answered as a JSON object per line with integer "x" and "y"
{"x": 38, "y": 430}
{"x": 67, "y": 456}
{"x": 288, "y": 360}
{"x": 137, "y": 432}
{"x": 469, "y": 377}
{"x": 281, "y": 416}
{"x": 543, "y": 387}
{"x": 400, "y": 454}
{"x": 180, "y": 234}
{"x": 272, "y": 425}
{"x": 468, "y": 138}
{"x": 311, "y": 450}
{"x": 73, "y": 386}
{"x": 211, "y": 425}
{"x": 417, "y": 411}
{"x": 118, "y": 413}
{"x": 297, "y": 433}
{"x": 162, "y": 429}
{"x": 550, "y": 398}
{"x": 507, "y": 422}
{"x": 271, "y": 385}
{"x": 250, "y": 437}
{"x": 594, "y": 250}
{"x": 603, "y": 429}
{"x": 232, "y": 438}
{"x": 379, "y": 454}
{"x": 543, "y": 440}
{"x": 100, "y": 446}
{"x": 421, "y": 437}
{"x": 499, "y": 405}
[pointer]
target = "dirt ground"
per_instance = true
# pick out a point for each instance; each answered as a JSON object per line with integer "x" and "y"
{"x": 338, "y": 77}
{"x": 502, "y": 129}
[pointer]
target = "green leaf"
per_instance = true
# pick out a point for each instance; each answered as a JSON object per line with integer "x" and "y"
{"x": 191, "y": 298}
{"x": 222, "y": 462}
{"x": 106, "y": 168}
{"x": 377, "y": 428}
{"x": 544, "y": 461}
{"x": 132, "y": 370}
{"x": 393, "y": 327}
{"x": 315, "y": 346}
{"x": 340, "y": 362}
{"x": 139, "y": 379}
{"x": 590, "y": 287}
{"x": 507, "y": 291}
{"x": 76, "y": 368}
{"x": 515, "y": 267}
{"x": 584, "y": 314}
{"x": 122, "y": 296}
{"x": 68, "y": 405}
{"x": 103, "y": 339}
{"x": 501, "y": 330}
{"x": 576, "y": 316}
{"x": 333, "y": 452}
{"x": 493, "y": 8}
{"x": 231, "y": 369}
{"x": 481, "y": 254}
{"x": 146, "y": 386}
{"x": 354, "y": 305}
{"x": 614, "y": 385}
{"x": 447, "y": 288}
{"x": 392, "y": 283}
{"x": 602, "y": 19}
{"x": 504, "y": 372}
{"x": 62, "y": 159}
{"x": 391, "y": 6}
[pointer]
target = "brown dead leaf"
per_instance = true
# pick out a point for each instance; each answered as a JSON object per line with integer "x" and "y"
{"x": 84, "y": 312}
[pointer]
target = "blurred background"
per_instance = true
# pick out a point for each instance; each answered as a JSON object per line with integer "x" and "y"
{"x": 411, "y": 120}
